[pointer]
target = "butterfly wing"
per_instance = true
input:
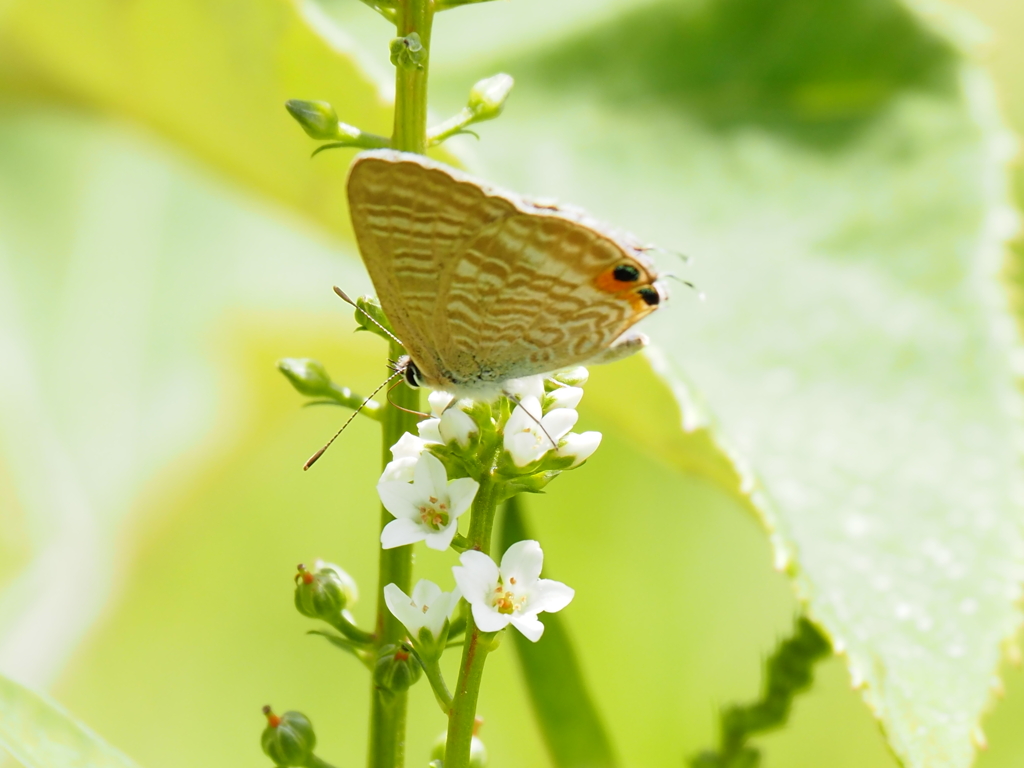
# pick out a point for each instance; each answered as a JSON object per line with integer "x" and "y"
{"x": 483, "y": 286}
{"x": 536, "y": 291}
{"x": 409, "y": 217}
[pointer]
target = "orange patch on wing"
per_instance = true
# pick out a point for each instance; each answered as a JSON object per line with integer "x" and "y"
{"x": 606, "y": 282}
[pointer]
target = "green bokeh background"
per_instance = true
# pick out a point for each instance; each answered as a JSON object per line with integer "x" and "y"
{"x": 677, "y": 601}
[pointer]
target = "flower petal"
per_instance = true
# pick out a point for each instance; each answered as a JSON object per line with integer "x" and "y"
{"x": 425, "y": 592}
{"x": 441, "y": 540}
{"x": 522, "y": 562}
{"x": 477, "y": 577}
{"x": 527, "y": 386}
{"x": 488, "y": 619}
{"x": 429, "y": 430}
{"x": 525, "y": 447}
{"x": 581, "y": 447}
{"x": 402, "y": 531}
{"x": 461, "y": 493}
{"x": 558, "y": 422}
{"x": 402, "y": 608}
{"x": 401, "y": 470}
{"x": 400, "y": 499}
{"x": 435, "y": 471}
{"x": 529, "y": 625}
{"x": 550, "y": 596}
{"x": 408, "y": 447}
{"x": 439, "y": 401}
{"x": 563, "y": 397}
{"x": 458, "y": 426}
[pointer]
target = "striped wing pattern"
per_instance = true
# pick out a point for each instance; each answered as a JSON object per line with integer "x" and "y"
{"x": 480, "y": 285}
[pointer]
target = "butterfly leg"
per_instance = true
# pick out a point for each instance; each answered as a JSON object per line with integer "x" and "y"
{"x": 627, "y": 344}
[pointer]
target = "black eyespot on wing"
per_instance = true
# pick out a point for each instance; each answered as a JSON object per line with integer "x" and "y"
{"x": 626, "y": 273}
{"x": 650, "y": 295}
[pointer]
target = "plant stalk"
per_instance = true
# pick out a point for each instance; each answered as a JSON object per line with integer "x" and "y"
{"x": 387, "y": 717}
{"x": 462, "y": 716}
{"x": 387, "y": 714}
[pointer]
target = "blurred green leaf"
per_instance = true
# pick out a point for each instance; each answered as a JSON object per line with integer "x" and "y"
{"x": 855, "y": 347}
{"x": 40, "y": 734}
{"x": 211, "y": 78}
{"x": 839, "y": 172}
{"x": 565, "y": 712}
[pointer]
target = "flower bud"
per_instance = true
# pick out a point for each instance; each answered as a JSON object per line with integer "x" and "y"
{"x": 408, "y": 52}
{"x": 369, "y": 305}
{"x": 563, "y": 397}
{"x": 487, "y": 97}
{"x": 574, "y": 377}
{"x": 317, "y": 118}
{"x": 580, "y": 446}
{"x": 477, "y": 751}
{"x": 324, "y": 592}
{"x": 288, "y": 740}
{"x": 308, "y": 376}
{"x": 396, "y": 669}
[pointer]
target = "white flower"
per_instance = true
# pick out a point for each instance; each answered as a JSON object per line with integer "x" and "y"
{"x": 449, "y": 423}
{"x": 426, "y": 509}
{"x": 528, "y": 386}
{"x": 563, "y": 397}
{"x": 580, "y": 446}
{"x": 428, "y": 607}
{"x": 526, "y": 440}
{"x": 406, "y": 453}
{"x": 513, "y": 593}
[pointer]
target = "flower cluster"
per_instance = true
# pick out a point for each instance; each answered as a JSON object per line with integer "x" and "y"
{"x": 519, "y": 444}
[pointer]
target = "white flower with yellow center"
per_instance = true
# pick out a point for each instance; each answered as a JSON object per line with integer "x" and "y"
{"x": 513, "y": 593}
{"x": 428, "y": 508}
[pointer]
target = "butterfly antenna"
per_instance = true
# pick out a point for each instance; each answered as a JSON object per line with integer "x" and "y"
{"x": 686, "y": 258}
{"x": 687, "y": 283}
{"x": 517, "y": 401}
{"x": 312, "y": 459}
{"x": 396, "y": 405}
{"x": 345, "y": 297}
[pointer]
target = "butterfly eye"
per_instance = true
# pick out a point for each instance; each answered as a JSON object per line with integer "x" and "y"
{"x": 626, "y": 273}
{"x": 650, "y": 295}
{"x": 413, "y": 377}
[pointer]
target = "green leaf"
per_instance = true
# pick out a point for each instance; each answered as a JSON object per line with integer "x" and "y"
{"x": 565, "y": 712}
{"x": 839, "y": 172}
{"x": 39, "y": 733}
{"x": 211, "y": 78}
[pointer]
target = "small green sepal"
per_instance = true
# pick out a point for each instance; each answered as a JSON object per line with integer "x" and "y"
{"x": 408, "y": 52}
{"x": 396, "y": 669}
{"x": 288, "y": 740}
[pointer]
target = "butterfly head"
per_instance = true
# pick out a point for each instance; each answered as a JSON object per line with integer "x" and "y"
{"x": 410, "y": 372}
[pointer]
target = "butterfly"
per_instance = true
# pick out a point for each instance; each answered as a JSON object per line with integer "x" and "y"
{"x": 483, "y": 286}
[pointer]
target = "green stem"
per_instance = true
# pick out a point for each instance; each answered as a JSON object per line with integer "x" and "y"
{"x": 387, "y": 715}
{"x": 462, "y": 716}
{"x": 432, "y": 670}
{"x": 411, "y": 83}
